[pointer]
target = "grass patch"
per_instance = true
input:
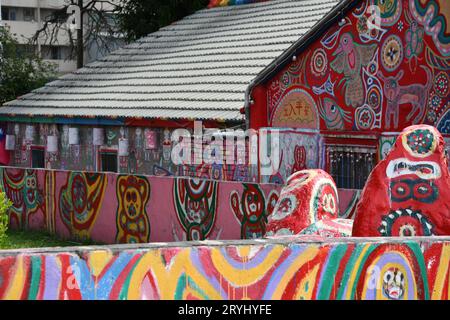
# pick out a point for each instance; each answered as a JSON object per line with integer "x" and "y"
{"x": 19, "y": 239}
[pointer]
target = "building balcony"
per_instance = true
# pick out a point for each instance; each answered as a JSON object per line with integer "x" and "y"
{"x": 25, "y": 30}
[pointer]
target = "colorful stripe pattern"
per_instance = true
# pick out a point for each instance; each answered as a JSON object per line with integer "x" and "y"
{"x": 412, "y": 269}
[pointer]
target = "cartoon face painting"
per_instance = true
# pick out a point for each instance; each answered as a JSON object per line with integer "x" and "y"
{"x": 195, "y": 203}
{"x": 411, "y": 186}
{"x": 80, "y": 201}
{"x": 24, "y": 192}
{"x": 133, "y": 224}
{"x": 252, "y": 210}
{"x": 393, "y": 284}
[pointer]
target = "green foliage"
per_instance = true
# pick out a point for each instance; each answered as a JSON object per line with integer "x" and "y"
{"x": 5, "y": 204}
{"x": 20, "y": 239}
{"x": 138, "y": 18}
{"x": 20, "y": 70}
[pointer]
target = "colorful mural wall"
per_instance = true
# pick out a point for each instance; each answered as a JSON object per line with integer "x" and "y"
{"x": 360, "y": 76}
{"x": 298, "y": 150}
{"x": 117, "y": 208}
{"x": 417, "y": 268}
{"x": 139, "y": 150}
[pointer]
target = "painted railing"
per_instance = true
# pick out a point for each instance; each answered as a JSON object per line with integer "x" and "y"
{"x": 117, "y": 208}
{"x": 292, "y": 268}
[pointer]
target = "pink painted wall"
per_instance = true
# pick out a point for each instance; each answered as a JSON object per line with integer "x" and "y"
{"x": 114, "y": 208}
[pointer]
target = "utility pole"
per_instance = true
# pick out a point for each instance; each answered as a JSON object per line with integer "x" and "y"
{"x": 80, "y": 47}
{"x": 1, "y": 26}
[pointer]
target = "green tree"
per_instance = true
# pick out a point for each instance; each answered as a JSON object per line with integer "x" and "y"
{"x": 138, "y": 18}
{"x": 5, "y": 204}
{"x": 105, "y": 22}
{"x": 20, "y": 70}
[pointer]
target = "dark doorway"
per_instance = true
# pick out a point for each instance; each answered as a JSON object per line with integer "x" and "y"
{"x": 109, "y": 161}
{"x": 37, "y": 158}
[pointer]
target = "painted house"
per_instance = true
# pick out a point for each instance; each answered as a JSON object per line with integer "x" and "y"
{"x": 336, "y": 80}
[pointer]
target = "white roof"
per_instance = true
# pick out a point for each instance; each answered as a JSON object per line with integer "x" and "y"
{"x": 196, "y": 68}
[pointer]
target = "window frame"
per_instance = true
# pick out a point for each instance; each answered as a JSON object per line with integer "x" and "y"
{"x": 37, "y": 148}
{"x": 110, "y": 151}
{"x": 345, "y": 177}
{"x": 29, "y": 18}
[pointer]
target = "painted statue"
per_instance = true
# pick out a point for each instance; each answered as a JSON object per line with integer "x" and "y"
{"x": 407, "y": 193}
{"x": 350, "y": 58}
{"x": 309, "y": 196}
{"x": 133, "y": 194}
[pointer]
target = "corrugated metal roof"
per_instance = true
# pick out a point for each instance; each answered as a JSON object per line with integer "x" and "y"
{"x": 196, "y": 68}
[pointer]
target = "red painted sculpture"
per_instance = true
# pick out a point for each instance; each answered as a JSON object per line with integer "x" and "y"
{"x": 309, "y": 196}
{"x": 408, "y": 193}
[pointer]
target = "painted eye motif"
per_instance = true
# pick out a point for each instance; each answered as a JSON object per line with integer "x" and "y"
{"x": 426, "y": 170}
{"x": 399, "y": 278}
{"x": 333, "y": 108}
{"x": 388, "y": 277}
{"x": 402, "y": 165}
{"x": 345, "y": 41}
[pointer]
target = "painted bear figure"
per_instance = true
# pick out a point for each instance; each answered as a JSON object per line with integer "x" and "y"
{"x": 308, "y": 197}
{"x": 407, "y": 193}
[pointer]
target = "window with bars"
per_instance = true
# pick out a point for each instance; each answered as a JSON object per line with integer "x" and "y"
{"x": 350, "y": 166}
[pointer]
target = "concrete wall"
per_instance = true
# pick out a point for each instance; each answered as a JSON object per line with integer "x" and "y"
{"x": 113, "y": 208}
{"x": 347, "y": 269}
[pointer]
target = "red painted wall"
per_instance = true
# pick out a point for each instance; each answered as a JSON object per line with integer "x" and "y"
{"x": 354, "y": 78}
